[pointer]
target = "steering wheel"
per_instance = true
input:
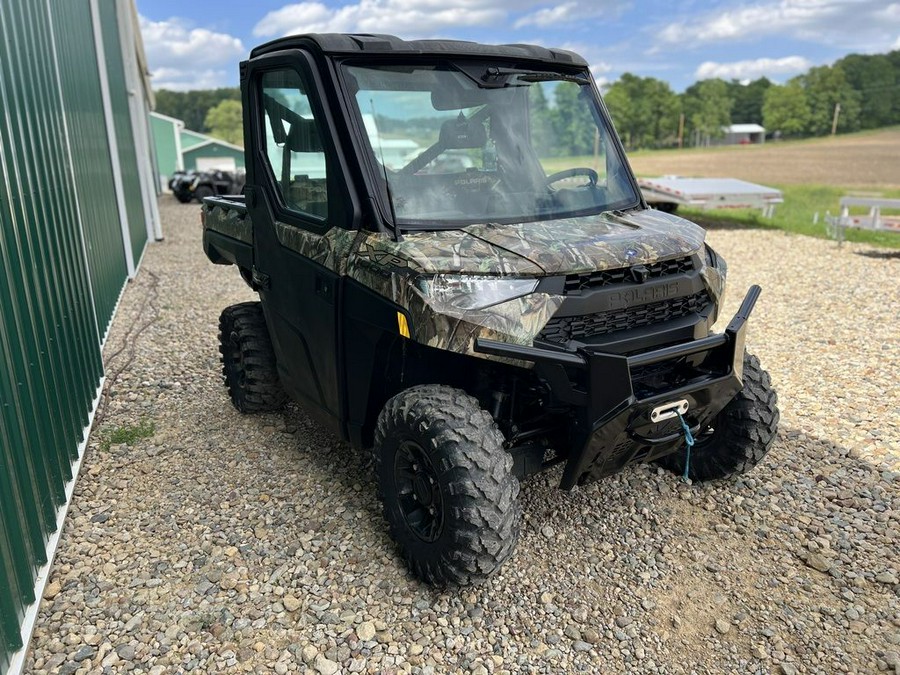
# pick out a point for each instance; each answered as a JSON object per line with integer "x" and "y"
{"x": 570, "y": 173}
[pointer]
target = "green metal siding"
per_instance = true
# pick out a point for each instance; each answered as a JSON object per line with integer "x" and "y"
{"x": 48, "y": 333}
{"x": 190, "y": 155}
{"x": 61, "y": 269}
{"x": 131, "y": 182}
{"x": 164, "y": 135}
{"x": 90, "y": 153}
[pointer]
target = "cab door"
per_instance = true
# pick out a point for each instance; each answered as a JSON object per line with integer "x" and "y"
{"x": 300, "y": 203}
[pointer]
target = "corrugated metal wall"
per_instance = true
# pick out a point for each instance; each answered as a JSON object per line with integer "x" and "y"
{"x": 131, "y": 183}
{"x": 62, "y": 268}
{"x": 90, "y": 153}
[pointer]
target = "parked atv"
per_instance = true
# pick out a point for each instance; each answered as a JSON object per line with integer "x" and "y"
{"x": 190, "y": 185}
{"x": 503, "y": 302}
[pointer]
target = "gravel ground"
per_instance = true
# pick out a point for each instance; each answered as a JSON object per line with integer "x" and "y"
{"x": 222, "y": 542}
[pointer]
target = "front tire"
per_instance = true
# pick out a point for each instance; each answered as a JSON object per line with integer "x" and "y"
{"x": 739, "y": 436}
{"x": 248, "y": 360}
{"x": 446, "y": 483}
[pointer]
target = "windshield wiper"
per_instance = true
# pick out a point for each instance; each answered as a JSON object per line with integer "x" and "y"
{"x": 493, "y": 75}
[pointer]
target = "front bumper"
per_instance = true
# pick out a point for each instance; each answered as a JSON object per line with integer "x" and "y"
{"x": 614, "y": 396}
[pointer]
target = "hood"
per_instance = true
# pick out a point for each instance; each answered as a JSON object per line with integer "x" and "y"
{"x": 561, "y": 246}
{"x": 444, "y": 251}
{"x": 593, "y": 243}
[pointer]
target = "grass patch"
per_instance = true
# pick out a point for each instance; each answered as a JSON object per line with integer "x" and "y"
{"x": 128, "y": 435}
{"x": 795, "y": 215}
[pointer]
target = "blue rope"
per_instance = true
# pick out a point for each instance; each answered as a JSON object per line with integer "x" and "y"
{"x": 689, "y": 441}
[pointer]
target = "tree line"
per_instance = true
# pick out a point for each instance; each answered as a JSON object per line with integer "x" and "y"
{"x": 649, "y": 114}
{"x": 857, "y": 92}
{"x": 216, "y": 112}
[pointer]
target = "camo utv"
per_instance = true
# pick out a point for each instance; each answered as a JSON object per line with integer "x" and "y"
{"x": 457, "y": 270}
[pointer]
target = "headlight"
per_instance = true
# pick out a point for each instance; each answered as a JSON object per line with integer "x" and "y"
{"x": 468, "y": 292}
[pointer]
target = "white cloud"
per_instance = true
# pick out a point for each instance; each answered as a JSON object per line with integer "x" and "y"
{"x": 752, "y": 69}
{"x": 549, "y": 16}
{"x": 896, "y": 45}
{"x": 181, "y": 57}
{"x": 411, "y": 17}
{"x": 178, "y": 79}
{"x": 421, "y": 18}
{"x": 853, "y": 24}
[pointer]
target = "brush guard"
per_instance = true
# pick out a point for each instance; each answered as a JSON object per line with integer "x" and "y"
{"x": 614, "y": 426}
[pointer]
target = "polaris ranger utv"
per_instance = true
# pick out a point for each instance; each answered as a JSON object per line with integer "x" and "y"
{"x": 465, "y": 278}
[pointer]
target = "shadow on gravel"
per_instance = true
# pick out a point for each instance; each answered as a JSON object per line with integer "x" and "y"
{"x": 879, "y": 254}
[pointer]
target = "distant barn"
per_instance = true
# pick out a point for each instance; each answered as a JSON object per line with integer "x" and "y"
{"x": 741, "y": 134}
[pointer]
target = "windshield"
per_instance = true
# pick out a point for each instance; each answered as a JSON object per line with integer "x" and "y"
{"x": 493, "y": 145}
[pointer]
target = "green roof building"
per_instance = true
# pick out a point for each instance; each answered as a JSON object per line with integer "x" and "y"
{"x": 213, "y": 154}
{"x": 167, "y": 142}
{"x": 180, "y": 149}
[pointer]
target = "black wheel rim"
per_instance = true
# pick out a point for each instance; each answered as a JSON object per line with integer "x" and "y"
{"x": 418, "y": 491}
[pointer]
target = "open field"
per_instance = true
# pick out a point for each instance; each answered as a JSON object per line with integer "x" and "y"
{"x": 813, "y": 174}
{"x": 869, "y": 160}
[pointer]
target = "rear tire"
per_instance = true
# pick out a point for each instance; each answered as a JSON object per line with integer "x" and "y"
{"x": 740, "y": 435}
{"x": 203, "y": 191}
{"x": 248, "y": 360}
{"x": 446, "y": 483}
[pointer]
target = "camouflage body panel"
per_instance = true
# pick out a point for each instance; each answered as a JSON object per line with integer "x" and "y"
{"x": 562, "y": 246}
{"x": 232, "y": 223}
{"x": 516, "y": 321}
{"x": 528, "y": 250}
{"x": 330, "y": 249}
{"x": 448, "y": 251}
{"x": 390, "y": 268}
{"x": 594, "y": 243}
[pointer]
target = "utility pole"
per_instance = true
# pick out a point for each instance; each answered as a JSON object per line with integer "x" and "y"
{"x": 834, "y": 121}
{"x": 680, "y": 130}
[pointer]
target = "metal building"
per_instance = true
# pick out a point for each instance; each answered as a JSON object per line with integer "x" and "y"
{"x": 166, "y": 133}
{"x": 77, "y": 209}
{"x": 180, "y": 149}
{"x": 213, "y": 153}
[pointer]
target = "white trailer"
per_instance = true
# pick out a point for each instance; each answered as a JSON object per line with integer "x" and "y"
{"x": 875, "y": 220}
{"x": 667, "y": 193}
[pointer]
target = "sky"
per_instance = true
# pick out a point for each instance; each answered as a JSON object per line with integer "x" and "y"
{"x": 198, "y": 45}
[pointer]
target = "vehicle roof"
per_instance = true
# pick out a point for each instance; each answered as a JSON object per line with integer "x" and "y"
{"x": 378, "y": 44}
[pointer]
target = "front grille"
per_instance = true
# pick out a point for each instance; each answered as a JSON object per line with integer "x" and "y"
{"x": 661, "y": 268}
{"x": 565, "y": 328}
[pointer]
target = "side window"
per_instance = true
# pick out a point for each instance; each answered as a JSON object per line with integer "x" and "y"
{"x": 294, "y": 143}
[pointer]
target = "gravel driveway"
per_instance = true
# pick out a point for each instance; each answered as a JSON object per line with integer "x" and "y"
{"x": 221, "y": 542}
